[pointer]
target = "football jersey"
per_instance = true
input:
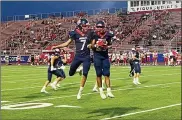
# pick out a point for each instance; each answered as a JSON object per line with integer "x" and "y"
{"x": 105, "y": 38}
{"x": 81, "y": 41}
{"x": 57, "y": 62}
{"x": 137, "y": 55}
{"x": 113, "y": 56}
{"x": 118, "y": 56}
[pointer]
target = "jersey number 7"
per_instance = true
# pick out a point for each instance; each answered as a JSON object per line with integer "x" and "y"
{"x": 83, "y": 40}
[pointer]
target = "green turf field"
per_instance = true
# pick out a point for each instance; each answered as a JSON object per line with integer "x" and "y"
{"x": 157, "y": 98}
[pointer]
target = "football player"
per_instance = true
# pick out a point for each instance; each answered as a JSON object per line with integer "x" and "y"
{"x": 155, "y": 56}
{"x": 81, "y": 36}
{"x": 55, "y": 68}
{"x": 165, "y": 55}
{"x": 131, "y": 55}
{"x": 18, "y": 59}
{"x": 101, "y": 41}
{"x": 136, "y": 65}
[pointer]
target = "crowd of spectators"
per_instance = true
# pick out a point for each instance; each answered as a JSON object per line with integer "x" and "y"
{"x": 155, "y": 31}
{"x": 5, "y": 25}
{"x": 37, "y": 34}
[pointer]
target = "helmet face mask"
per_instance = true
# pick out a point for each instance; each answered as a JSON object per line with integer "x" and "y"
{"x": 83, "y": 24}
{"x": 100, "y": 27}
{"x": 85, "y": 27}
{"x": 57, "y": 51}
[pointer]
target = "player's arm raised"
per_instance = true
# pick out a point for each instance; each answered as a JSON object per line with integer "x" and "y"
{"x": 63, "y": 44}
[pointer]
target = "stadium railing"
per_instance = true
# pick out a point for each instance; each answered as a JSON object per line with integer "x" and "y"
{"x": 64, "y": 14}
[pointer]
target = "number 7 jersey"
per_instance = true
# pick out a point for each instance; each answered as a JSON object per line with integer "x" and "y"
{"x": 81, "y": 41}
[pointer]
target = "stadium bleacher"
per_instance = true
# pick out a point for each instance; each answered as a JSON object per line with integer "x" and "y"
{"x": 150, "y": 29}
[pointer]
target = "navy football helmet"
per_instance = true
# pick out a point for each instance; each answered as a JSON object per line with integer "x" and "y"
{"x": 100, "y": 24}
{"x": 83, "y": 24}
{"x": 100, "y": 27}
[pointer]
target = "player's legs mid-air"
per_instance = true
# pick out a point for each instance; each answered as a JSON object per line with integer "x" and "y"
{"x": 102, "y": 67}
{"x": 95, "y": 86}
{"x": 82, "y": 71}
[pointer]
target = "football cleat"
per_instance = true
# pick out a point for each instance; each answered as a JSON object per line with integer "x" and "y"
{"x": 53, "y": 86}
{"x": 43, "y": 91}
{"x": 95, "y": 90}
{"x": 138, "y": 82}
{"x": 134, "y": 82}
{"x": 58, "y": 85}
{"x": 79, "y": 95}
{"x": 109, "y": 94}
{"x": 103, "y": 96}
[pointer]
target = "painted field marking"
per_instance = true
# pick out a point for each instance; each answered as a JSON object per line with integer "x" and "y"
{"x": 87, "y": 82}
{"x": 144, "y": 111}
{"x": 156, "y": 85}
{"x": 25, "y": 106}
{"x": 68, "y": 106}
{"x": 5, "y": 76}
{"x": 4, "y": 101}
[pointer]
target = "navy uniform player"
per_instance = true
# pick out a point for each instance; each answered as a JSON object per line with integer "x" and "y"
{"x": 81, "y": 35}
{"x": 136, "y": 65}
{"x": 131, "y": 53}
{"x": 101, "y": 41}
{"x": 54, "y": 69}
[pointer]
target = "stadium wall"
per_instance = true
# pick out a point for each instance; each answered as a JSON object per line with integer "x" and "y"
{"x": 15, "y": 8}
{"x": 24, "y": 59}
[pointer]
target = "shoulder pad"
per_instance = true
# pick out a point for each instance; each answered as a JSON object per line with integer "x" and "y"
{"x": 110, "y": 34}
{"x": 72, "y": 34}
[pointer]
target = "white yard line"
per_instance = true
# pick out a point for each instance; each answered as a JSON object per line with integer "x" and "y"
{"x": 4, "y": 101}
{"x": 156, "y": 85}
{"x": 68, "y": 106}
{"x": 41, "y": 86}
{"x": 77, "y": 82}
{"x": 24, "y": 76}
{"x": 144, "y": 111}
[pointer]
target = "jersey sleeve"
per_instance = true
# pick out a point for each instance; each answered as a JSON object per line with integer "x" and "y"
{"x": 110, "y": 35}
{"x": 90, "y": 36}
{"x": 72, "y": 35}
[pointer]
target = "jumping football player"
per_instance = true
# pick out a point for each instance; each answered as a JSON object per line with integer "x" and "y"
{"x": 101, "y": 41}
{"x": 81, "y": 36}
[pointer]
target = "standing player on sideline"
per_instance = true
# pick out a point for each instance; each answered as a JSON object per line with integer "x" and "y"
{"x": 148, "y": 57}
{"x": 113, "y": 59}
{"x": 81, "y": 36}
{"x": 100, "y": 44}
{"x": 118, "y": 58}
{"x": 124, "y": 58}
{"x": 155, "y": 56}
{"x": 18, "y": 59}
{"x": 131, "y": 62}
{"x": 54, "y": 68}
{"x": 165, "y": 55}
{"x": 136, "y": 64}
